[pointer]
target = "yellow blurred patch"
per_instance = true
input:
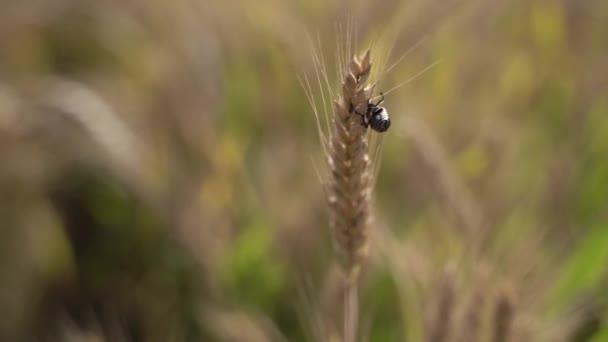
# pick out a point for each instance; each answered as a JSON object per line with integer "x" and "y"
{"x": 547, "y": 24}
{"x": 472, "y": 162}
{"x": 517, "y": 76}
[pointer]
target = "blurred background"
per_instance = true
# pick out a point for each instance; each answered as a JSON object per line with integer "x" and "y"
{"x": 158, "y": 183}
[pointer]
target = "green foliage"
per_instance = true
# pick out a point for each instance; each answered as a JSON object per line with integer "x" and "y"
{"x": 586, "y": 270}
{"x": 251, "y": 273}
{"x": 385, "y": 317}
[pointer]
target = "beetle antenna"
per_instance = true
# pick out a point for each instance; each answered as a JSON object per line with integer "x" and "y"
{"x": 414, "y": 77}
{"x": 381, "y": 100}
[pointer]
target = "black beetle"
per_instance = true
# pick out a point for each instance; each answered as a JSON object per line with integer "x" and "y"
{"x": 376, "y": 116}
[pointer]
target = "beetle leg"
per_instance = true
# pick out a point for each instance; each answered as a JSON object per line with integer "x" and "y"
{"x": 364, "y": 123}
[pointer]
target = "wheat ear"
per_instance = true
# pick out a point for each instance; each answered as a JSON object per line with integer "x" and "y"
{"x": 350, "y": 183}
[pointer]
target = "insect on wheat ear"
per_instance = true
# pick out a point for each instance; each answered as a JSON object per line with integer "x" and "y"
{"x": 376, "y": 116}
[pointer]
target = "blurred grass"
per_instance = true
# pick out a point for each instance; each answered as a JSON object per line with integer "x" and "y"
{"x": 211, "y": 223}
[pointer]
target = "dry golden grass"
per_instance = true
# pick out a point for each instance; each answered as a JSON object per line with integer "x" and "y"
{"x": 351, "y": 183}
{"x": 349, "y": 162}
{"x": 152, "y": 149}
{"x": 350, "y": 180}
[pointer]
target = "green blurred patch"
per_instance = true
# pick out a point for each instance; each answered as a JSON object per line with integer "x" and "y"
{"x": 472, "y": 162}
{"x": 552, "y": 113}
{"x": 592, "y": 190}
{"x": 116, "y": 238}
{"x": 242, "y": 89}
{"x": 548, "y": 28}
{"x": 586, "y": 269}
{"x": 54, "y": 251}
{"x": 517, "y": 76}
{"x": 445, "y": 74}
{"x": 601, "y": 336}
{"x": 385, "y": 317}
{"x": 250, "y": 271}
{"x": 597, "y": 126}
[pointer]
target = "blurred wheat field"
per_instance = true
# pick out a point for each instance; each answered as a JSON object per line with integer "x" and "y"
{"x": 159, "y": 170}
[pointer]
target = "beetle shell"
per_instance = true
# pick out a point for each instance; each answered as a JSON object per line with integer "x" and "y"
{"x": 379, "y": 121}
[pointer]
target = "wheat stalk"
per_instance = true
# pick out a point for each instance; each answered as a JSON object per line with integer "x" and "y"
{"x": 351, "y": 177}
{"x": 504, "y": 313}
{"x": 351, "y": 182}
{"x": 442, "y": 310}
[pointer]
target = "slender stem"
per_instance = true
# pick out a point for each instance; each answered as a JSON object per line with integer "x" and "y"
{"x": 351, "y": 310}
{"x": 350, "y": 185}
